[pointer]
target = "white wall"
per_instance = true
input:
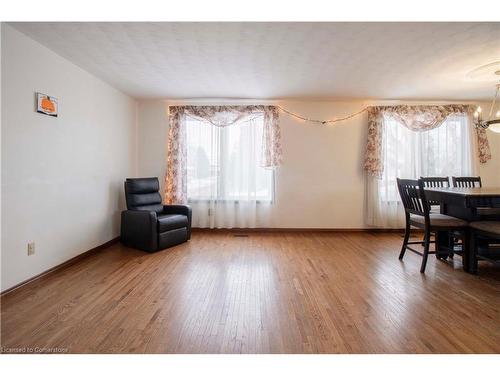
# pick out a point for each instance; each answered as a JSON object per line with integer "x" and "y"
{"x": 490, "y": 171}
{"x": 0, "y": 146}
{"x": 62, "y": 178}
{"x": 321, "y": 182}
{"x": 152, "y": 138}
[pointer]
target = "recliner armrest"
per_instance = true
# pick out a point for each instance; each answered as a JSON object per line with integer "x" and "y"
{"x": 139, "y": 229}
{"x": 180, "y": 209}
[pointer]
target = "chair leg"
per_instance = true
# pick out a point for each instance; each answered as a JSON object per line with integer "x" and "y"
{"x": 405, "y": 241}
{"x": 426, "y": 250}
{"x": 423, "y": 238}
{"x": 451, "y": 244}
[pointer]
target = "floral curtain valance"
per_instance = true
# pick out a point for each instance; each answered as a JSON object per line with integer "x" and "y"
{"x": 416, "y": 118}
{"x": 221, "y": 116}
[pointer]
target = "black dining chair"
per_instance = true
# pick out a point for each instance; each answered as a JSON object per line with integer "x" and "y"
{"x": 466, "y": 182}
{"x": 484, "y": 234}
{"x": 435, "y": 182}
{"x": 417, "y": 214}
{"x": 435, "y": 206}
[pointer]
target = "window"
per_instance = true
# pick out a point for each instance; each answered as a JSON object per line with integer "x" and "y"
{"x": 224, "y": 163}
{"x": 443, "y": 151}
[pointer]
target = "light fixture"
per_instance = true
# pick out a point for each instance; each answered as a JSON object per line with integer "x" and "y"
{"x": 492, "y": 122}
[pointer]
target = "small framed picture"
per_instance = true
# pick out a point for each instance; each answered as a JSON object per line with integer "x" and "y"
{"x": 46, "y": 105}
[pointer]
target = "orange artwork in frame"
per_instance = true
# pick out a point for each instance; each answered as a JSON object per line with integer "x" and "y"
{"x": 46, "y": 104}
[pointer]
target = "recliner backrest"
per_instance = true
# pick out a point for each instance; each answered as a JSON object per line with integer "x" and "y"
{"x": 143, "y": 194}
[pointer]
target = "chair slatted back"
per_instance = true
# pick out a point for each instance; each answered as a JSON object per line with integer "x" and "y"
{"x": 466, "y": 182}
{"x": 413, "y": 197}
{"x": 435, "y": 182}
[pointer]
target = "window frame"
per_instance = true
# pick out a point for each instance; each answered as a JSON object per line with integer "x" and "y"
{"x": 395, "y": 198}
{"x": 220, "y": 199}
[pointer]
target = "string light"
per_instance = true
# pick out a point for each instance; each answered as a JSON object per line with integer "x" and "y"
{"x": 323, "y": 122}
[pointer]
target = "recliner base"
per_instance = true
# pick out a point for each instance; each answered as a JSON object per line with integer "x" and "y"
{"x": 172, "y": 237}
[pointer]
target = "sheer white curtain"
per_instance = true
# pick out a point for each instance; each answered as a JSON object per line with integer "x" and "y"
{"x": 443, "y": 151}
{"x": 226, "y": 184}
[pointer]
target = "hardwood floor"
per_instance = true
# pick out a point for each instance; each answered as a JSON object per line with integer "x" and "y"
{"x": 265, "y": 293}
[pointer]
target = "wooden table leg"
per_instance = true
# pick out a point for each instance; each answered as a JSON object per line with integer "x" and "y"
{"x": 442, "y": 238}
{"x": 442, "y": 244}
{"x": 471, "y": 254}
{"x": 468, "y": 252}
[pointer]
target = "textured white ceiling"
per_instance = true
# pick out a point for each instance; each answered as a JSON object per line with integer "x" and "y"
{"x": 280, "y": 60}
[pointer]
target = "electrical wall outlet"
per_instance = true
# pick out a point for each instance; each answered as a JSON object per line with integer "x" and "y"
{"x": 31, "y": 248}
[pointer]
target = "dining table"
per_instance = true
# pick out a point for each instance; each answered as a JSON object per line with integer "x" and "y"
{"x": 470, "y": 204}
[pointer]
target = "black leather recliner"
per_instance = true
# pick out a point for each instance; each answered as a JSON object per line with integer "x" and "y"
{"x": 149, "y": 225}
